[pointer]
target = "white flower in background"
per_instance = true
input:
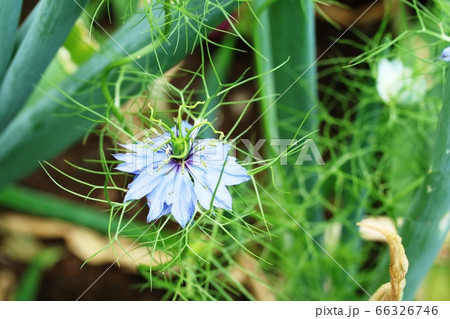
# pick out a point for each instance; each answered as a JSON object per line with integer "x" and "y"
{"x": 396, "y": 83}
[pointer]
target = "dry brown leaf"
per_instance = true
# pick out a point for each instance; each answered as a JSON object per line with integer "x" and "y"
{"x": 398, "y": 266}
{"x": 383, "y": 222}
{"x": 83, "y": 242}
{"x": 20, "y": 247}
{"x": 255, "y": 283}
{"x": 362, "y": 15}
{"x": 8, "y": 283}
{"x": 35, "y": 226}
{"x": 382, "y": 293}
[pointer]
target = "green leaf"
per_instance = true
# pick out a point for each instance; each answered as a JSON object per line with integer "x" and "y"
{"x": 9, "y": 19}
{"x": 286, "y": 33}
{"x": 44, "y": 129}
{"x": 428, "y": 220}
{"x": 25, "y": 26}
{"x": 47, "y": 32}
{"x": 80, "y": 44}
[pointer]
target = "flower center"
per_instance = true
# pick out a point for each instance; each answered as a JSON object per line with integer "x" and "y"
{"x": 180, "y": 148}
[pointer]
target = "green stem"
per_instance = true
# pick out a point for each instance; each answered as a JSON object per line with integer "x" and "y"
{"x": 28, "y": 287}
{"x": 115, "y": 107}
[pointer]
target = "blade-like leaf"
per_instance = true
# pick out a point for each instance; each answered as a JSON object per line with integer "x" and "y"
{"x": 286, "y": 35}
{"x": 48, "y": 30}
{"x": 428, "y": 220}
{"x": 41, "y": 131}
{"x": 292, "y": 89}
{"x": 278, "y": 39}
{"x": 9, "y": 18}
{"x": 25, "y": 26}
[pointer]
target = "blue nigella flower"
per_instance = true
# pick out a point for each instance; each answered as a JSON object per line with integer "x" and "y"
{"x": 175, "y": 171}
{"x": 445, "y": 55}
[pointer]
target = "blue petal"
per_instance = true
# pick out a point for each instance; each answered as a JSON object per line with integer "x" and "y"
{"x": 138, "y": 148}
{"x": 213, "y": 155}
{"x": 222, "y": 199}
{"x": 445, "y": 55}
{"x": 135, "y": 164}
{"x": 145, "y": 183}
{"x": 153, "y": 215}
{"x": 144, "y": 157}
{"x": 205, "y": 182}
{"x": 233, "y": 173}
{"x": 211, "y": 149}
{"x": 151, "y": 143}
{"x": 182, "y": 197}
{"x": 157, "y": 199}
